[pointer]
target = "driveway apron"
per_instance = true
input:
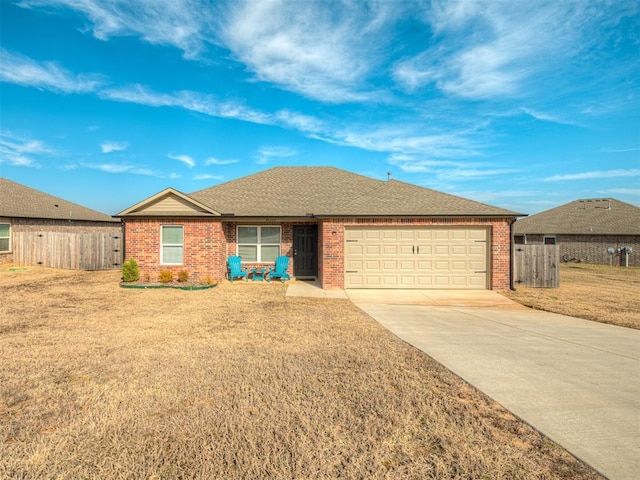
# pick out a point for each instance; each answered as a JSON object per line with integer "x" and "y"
{"x": 576, "y": 381}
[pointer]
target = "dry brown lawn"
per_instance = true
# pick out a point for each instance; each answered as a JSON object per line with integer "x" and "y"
{"x": 235, "y": 382}
{"x": 595, "y": 292}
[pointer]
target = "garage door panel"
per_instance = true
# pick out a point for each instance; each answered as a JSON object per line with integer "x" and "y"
{"x": 416, "y": 257}
{"x": 406, "y": 281}
{"x": 441, "y": 250}
{"x": 373, "y": 265}
{"x": 406, "y": 250}
{"x": 476, "y": 265}
{"x": 459, "y": 266}
{"x": 390, "y": 265}
{"x": 460, "y": 235}
{"x": 372, "y": 250}
{"x": 354, "y": 265}
{"x": 424, "y": 265}
{"x": 441, "y": 266}
{"x": 477, "y": 234}
{"x": 423, "y": 235}
{"x": 406, "y": 266}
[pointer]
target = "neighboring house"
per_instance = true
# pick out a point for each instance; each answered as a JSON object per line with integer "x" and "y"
{"x": 585, "y": 229}
{"x": 347, "y": 230}
{"x": 39, "y": 229}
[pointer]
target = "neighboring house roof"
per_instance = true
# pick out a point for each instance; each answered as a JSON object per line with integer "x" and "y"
{"x": 591, "y": 216}
{"x": 20, "y": 201}
{"x": 325, "y": 191}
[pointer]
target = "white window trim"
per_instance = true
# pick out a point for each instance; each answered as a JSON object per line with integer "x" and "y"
{"x": 9, "y": 237}
{"x": 162, "y": 245}
{"x": 258, "y": 245}
{"x": 544, "y": 240}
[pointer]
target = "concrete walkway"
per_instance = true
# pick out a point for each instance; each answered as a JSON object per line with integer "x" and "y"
{"x": 299, "y": 288}
{"x": 576, "y": 381}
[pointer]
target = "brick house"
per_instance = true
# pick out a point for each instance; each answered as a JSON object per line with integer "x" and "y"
{"x": 585, "y": 229}
{"x": 42, "y": 230}
{"x": 344, "y": 229}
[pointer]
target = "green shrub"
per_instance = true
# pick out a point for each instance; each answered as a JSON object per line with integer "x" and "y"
{"x": 183, "y": 276}
{"x": 130, "y": 272}
{"x": 165, "y": 276}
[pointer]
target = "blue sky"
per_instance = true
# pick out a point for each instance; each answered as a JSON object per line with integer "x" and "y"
{"x": 520, "y": 104}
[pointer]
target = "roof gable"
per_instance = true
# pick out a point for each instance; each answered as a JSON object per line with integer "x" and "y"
{"x": 169, "y": 202}
{"x": 592, "y": 216}
{"x": 20, "y": 201}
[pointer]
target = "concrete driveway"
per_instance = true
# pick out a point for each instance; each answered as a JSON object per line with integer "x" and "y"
{"x": 576, "y": 381}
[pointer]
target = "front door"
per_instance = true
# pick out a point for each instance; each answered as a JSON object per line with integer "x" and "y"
{"x": 305, "y": 251}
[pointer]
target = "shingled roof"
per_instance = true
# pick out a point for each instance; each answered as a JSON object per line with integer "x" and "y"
{"x": 20, "y": 201}
{"x": 592, "y": 216}
{"x": 328, "y": 191}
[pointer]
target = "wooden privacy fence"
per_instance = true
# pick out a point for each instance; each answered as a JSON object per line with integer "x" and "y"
{"x": 69, "y": 250}
{"x": 537, "y": 265}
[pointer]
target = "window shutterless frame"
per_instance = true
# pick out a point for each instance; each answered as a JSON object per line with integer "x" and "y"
{"x": 258, "y": 243}
{"x": 171, "y": 244}
{"x": 5, "y": 237}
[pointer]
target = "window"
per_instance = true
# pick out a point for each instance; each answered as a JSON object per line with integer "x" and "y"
{"x": 5, "y": 235}
{"x": 259, "y": 244}
{"x": 172, "y": 246}
{"x": 549, "y": 240}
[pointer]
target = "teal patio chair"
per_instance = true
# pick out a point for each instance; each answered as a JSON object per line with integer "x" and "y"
{"x": 280, "y": 270}
{"x": 236, "y": 270}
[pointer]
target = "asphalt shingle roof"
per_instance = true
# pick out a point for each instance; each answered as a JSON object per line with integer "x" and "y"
{"x": 594, "y": 216}
{"x": 20, "y": 201}
{"x": 299, "y": 191}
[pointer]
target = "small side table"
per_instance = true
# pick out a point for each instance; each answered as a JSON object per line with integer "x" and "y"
{"x": 258, "y": 274}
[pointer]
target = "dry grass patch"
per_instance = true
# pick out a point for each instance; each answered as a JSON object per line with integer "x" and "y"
{"x": 235, "y": 382}
{"x": 594, "y": 292}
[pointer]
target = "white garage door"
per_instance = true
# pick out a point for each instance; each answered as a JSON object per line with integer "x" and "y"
{"x": 383, "y": 257}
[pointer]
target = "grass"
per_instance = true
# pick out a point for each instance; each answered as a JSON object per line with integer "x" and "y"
{"x": 594, "y": 292}
{"x": 235, "y": 382}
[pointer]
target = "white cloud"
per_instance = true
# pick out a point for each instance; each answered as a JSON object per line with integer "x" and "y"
{"x": 108, "y": 147}
{"x": 633, "y": 172}
{"x": 207, "y": 176}
{"x": 622, "y": 191}
{"x": 620, "y": 150}
{"x": 323, "y": 50}
{"x": 186, "y": 159}
{"x": 21, "y": 70}
{"x": 216, "y": 161}
{"x": 265, "y": 154}
{"x": 487, "y": 48}
{"x": 19, "y": 151}
{"x": 181, "y": 23}
{"x": 123, "y": 168}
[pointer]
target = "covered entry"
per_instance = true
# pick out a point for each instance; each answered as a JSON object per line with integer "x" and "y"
{"x": 416, "y": 257}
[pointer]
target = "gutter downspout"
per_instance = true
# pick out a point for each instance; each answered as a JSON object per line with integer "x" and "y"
{"x": 124, "y": 243}
{"x": 511, "y": 256}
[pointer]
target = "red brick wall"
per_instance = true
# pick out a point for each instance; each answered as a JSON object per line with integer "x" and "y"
{"x": 208, "y": 243}
{"x": 204, "y": 246}
{"x": 331, "y": 245}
